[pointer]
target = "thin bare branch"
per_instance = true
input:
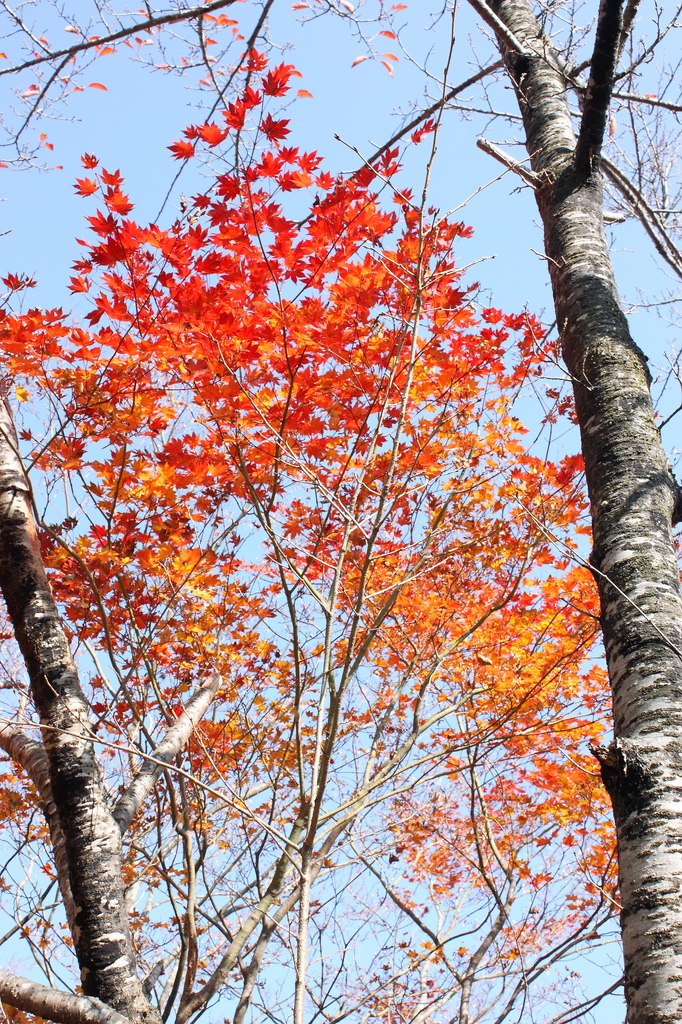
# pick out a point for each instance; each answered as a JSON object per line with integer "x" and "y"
{"x": 166, "y": 18}
{"x": 434, "y": 108}
{"x": 629, "y": 16}
{"x": 651, "y": 101}
{"x": 509, "y": 162}
{"x": 650, "y": 221}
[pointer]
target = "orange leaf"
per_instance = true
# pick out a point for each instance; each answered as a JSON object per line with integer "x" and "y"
{"x": 85, "y": 186}
{"x": 98, "y": 85}
{"x": 111, "y": 177}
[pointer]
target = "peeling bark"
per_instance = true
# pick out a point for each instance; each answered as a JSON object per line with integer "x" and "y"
{"x": 633, "y": 498}
{"x": 92, "y": 840}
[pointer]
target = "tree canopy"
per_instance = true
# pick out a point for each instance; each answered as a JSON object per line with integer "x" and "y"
{"x": 301, "y": 665}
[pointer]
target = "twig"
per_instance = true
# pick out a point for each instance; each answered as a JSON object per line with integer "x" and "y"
{"x": 498, "y": 26}
{"x": 663, "y": 243}
{"x": 168, "y": 18}
{"x": 530, "y": 177}
{"x": 434, "y": 108}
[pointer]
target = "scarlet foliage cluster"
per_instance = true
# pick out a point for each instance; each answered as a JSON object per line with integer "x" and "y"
{"x": 287, "y": 448}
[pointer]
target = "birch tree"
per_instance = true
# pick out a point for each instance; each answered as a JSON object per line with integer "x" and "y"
{"x": 634, "y": 497}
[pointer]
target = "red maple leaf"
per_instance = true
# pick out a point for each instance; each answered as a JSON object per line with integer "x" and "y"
{"x": 276, "y": 82}
{"x": 118, "y": 202}
{"x": 182, "y": 150}
{"x": 18, "y": 281}
{"x": 274, "y": 130}
{"x": 212, "y": 134}
{"x": 85, "y": 186}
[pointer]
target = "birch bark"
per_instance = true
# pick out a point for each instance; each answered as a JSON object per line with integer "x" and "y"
{"x": 91, "y": 836}
{"x": 634, "y": 500}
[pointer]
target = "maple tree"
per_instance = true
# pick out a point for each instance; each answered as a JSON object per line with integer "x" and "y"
{"x": 293, "y": 592}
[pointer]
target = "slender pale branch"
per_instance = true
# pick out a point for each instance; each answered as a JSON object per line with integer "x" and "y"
{"x": 629, "y": 16}
{"x": 651, "y": 101}
{"x": 30, "y": 754}
{"x": 171, "y": 745}
{"x": 502, "y": 31}
{"x": 509, "y": 162}
{"x": 284, "y": 865}
{"x": 652, "y": 224}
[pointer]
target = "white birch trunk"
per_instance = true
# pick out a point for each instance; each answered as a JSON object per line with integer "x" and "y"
{"x": 634, "y": 500}
{"x": 91, "y": 836}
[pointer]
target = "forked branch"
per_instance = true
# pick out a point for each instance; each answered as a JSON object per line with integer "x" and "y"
{"x": 165, "y": 18}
